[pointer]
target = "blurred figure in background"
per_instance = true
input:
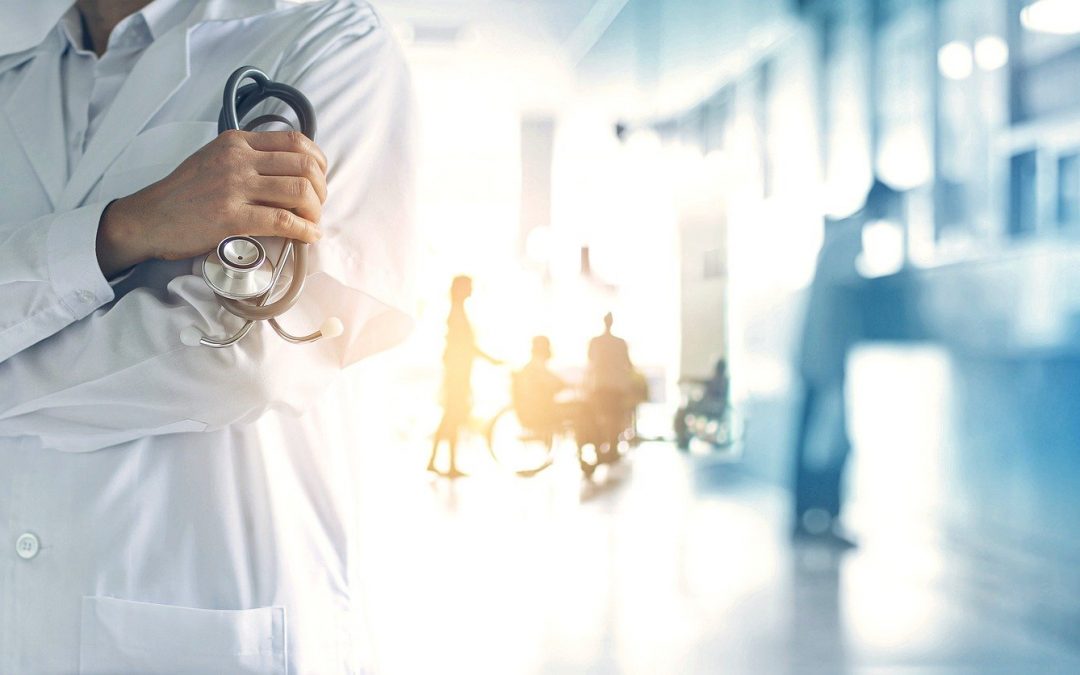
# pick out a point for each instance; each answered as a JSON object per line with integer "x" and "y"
{"x": 535, "y": 387}
{"x": 712, "y": 401}
{"x": 716, "y": 387}
{"x": 611, "y": 383}
{"x": 832, "y": 326}
{"x": 458, "y": 358}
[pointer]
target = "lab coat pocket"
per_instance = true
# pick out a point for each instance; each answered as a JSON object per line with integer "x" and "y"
{"x": 121, "y": 636}
{"x": 152, "y": 155}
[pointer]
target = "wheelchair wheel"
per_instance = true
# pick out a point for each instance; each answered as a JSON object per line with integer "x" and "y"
{"x": 587, "y": 469}
{"x": 588, "y": 459}
{"x": 524, "y": 451}
{"x": 682, "y": 432}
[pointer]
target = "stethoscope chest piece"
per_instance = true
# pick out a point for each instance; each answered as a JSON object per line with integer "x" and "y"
{"x": 239, "y": 269}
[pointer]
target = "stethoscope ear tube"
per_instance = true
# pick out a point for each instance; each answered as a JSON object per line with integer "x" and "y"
{"x": 238, "y": 101}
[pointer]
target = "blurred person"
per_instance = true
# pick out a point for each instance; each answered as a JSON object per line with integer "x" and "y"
{"x": 461, "y": 351}
{"x": 612, "y": 385}
{"x": 716, "y": 387}
{"x": 537, "y": 398}
{"x": 832, "y": 326}
{"x": 712, "y": 401}
{"x": 536, "y": 388}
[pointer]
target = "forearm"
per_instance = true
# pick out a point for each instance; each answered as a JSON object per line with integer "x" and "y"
{"x": 49, "y": 276}
{"x": 123, "y": 373}
{"x": 120, "y": 243}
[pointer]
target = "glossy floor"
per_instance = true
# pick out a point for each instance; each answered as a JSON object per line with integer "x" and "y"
{"x": 666, "y": 564}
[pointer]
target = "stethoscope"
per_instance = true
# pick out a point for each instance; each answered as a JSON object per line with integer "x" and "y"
{"x": 238, "y": 271}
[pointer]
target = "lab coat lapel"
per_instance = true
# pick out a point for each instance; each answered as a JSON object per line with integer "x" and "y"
{"x": 39, "y": 125}
{"x": 157, "y": 75}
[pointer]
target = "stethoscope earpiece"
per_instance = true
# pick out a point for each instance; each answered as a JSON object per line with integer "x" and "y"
{"x": 332, "y": 327}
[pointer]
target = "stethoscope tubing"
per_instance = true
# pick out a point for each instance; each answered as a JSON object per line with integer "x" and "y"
{"x": 237, "y": 101}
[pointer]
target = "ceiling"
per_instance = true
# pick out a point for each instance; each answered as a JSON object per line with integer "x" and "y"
{"x": 567, "y": 26}
{"x": 631, "y": 57}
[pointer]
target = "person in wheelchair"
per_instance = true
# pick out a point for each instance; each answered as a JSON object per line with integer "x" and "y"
{"x": 715, "y": 393}
{"x": 712, "y": 402}
{"x": 535, "y": 390}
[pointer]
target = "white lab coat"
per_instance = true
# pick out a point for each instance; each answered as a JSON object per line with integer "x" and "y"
{"x": 172, "y": 509}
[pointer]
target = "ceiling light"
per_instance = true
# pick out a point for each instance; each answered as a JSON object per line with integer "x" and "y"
{"x": 1061, "y": 17}
{"x": 991, "y": 52}
{"x": 954, "y": 60}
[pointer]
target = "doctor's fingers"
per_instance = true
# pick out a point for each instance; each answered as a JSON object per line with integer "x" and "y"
{"x": 284, "y": 141}
{"x": 285, "y": 192}
{"x": 292, "y": 164}
{"x": 274, "y": 222}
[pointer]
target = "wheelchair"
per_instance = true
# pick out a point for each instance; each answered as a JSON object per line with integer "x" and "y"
{"x": 711, "y": 421}
{"x": 525, "y": 440}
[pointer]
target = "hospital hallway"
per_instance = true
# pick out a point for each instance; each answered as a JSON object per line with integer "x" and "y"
{"x": 684, "y": 563}
{"x": 807, "y": 272}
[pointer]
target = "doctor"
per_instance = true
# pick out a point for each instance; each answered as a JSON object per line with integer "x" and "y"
{"x": 164, "y": 508}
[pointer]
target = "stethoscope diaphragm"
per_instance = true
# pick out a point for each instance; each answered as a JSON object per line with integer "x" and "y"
{"x": 239, "y": 269}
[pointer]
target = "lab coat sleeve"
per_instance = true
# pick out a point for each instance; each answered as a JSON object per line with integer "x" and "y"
{"x": 49, "y": 276}
{"x": 121, "y": 373}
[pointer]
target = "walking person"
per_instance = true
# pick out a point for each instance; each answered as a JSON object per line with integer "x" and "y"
{"x": 461, "y": 351}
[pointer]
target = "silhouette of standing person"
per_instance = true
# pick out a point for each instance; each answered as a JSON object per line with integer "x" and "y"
{"x": 832, "y": 327}
{"x": 458, "y": 358}
{"x": 610, "y": 380}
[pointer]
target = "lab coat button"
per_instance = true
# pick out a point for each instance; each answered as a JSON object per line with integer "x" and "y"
{"x": 27, "y": 546}
{"x": 85, "y": 296}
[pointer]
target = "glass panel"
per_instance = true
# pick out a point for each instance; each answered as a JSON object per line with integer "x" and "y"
{"x": 1023, "y": 205}
{"x": 1068, "y": 202}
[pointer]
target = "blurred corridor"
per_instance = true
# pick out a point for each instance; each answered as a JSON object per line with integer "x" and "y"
{"x": 869, "y": 210}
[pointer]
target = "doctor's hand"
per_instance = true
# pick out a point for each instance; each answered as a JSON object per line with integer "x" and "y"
{"x": 255, "y": 183}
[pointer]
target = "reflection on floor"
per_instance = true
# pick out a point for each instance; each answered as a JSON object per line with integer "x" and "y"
{"x": 666, "y": 564}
